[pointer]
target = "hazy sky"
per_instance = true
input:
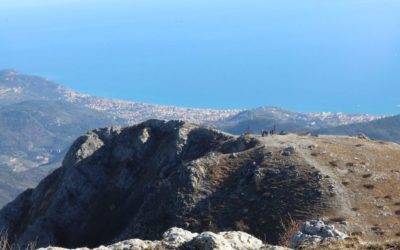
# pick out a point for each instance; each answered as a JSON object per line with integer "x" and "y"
{"x": 311, "y": 55}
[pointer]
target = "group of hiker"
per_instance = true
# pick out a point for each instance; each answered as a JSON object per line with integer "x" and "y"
{"x": 270, "y": 132}
{"x": 273, "y": 131}
{"x": 265, "y": 133}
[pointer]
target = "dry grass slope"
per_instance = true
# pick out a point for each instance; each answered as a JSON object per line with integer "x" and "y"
{"x": 365, "y": 175}
{"x": 354, "y": 244}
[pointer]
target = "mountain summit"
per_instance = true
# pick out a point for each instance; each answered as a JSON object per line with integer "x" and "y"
{"x": 139, "y": 181}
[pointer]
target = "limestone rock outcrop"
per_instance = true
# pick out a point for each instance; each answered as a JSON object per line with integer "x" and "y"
{"x": 315, "y": 232}
{"x": 177, "y": 238}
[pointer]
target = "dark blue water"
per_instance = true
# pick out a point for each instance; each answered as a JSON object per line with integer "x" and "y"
{"x": 311, "y": 55}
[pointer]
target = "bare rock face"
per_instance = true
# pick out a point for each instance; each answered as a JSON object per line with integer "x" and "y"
{"x": 225, "y": 240}
{"x": 177, "y": 237}
{"x": 136, "y": 182}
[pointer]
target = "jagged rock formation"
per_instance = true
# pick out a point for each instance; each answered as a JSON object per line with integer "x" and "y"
{"x": 177, "y": 238}
{"x": 136, "y": 182}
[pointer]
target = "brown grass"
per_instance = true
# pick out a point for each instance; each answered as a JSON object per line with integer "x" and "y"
{"x": 6, "y": 245}
{"x": 353, "y": 243}
{"x": 290, "y": 229}
{"x": 374, "y": 203}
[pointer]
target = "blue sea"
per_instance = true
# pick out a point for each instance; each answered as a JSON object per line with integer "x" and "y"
{"x": 311, "y": 55}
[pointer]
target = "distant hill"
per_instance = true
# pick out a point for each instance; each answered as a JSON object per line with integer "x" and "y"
{"x": 34, "y": 136}
{"x": 37, "y": 132}
{"x": 386, "y": 129}
{"x": 266, "y": 118}
{"x": 16, "y": 87}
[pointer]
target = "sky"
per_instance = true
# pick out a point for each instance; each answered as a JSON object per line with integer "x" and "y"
{"x": 310, "y": 55}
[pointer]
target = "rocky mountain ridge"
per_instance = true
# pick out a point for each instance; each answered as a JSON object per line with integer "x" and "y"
{"x": 39, "y": 120}
{"x": 136, "y": 182}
